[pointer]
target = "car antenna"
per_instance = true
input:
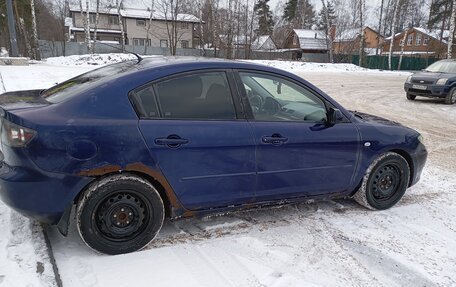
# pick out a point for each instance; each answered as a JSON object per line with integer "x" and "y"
{"x": 123, "y": 50}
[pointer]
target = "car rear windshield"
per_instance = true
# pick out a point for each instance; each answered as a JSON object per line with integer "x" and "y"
{"x": 74, "y": 86}
{"x": 442, "y": 67}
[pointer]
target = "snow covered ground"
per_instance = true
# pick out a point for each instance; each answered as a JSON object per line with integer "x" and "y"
{"x": 328, "y": 243}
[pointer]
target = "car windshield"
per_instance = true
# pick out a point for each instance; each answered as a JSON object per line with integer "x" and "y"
{"x": 80, "y": 83}
{"x": 442, "y": 67}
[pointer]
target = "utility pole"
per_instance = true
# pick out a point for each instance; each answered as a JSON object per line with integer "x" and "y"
{"x": 12, "y": 28}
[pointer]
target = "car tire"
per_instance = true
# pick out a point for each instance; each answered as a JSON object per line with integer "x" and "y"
{"x": 450, "y": 99}
{"x": 384, "y": 182}
{"x": 119, "y": 213}
{"x": 410, "y": 97}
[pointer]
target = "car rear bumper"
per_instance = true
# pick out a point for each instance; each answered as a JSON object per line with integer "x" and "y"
{"x": 419, "y": 160}
{"x": 36, "y": 194}
{"x": 432, "y": 91}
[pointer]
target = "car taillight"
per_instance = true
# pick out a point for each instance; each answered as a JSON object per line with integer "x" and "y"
{"x": 15, "y": 135}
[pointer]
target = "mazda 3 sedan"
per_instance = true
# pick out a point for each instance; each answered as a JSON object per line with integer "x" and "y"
{"x": 436, "y": 81}
{"x": 134, "y": 142}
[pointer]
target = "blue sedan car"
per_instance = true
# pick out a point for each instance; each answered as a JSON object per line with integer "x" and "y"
{"x": 131, "y": 143}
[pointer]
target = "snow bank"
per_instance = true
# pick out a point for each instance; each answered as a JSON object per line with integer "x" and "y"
{"x": 89, "y": 60}
{"x": 297, "y": 66}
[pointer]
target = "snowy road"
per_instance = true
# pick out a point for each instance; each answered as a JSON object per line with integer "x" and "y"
{"x": 314, "y": 244}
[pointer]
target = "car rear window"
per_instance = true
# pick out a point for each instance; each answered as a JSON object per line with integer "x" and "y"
{"x": 74, "y": 86}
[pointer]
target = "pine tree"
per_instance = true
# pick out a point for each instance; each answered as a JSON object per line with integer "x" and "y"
{"x": 264, "y": 14}
{"x": 289, "y": 12}
{"x": 300, "y": 14}
{"x": 322, "y": 23}
{"x": 439, "y": 14}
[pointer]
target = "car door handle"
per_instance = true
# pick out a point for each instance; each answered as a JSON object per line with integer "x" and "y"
{"x": 171, "y": 141}
{"x": 275, "y": 139}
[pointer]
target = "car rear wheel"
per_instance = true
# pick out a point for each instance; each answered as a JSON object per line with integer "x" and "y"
{"x": 120, "y": 213}
{"x": 450, "y": 99}
{"x": 410, "y": 97}
{"x": 384, "y": 182}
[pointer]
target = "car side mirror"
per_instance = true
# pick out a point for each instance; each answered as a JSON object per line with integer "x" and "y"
{"x": 334, "y": 116}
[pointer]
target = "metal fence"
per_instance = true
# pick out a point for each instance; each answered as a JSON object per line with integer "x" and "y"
{"x": 409, "y": 63}
{"x": 56, "y": 49}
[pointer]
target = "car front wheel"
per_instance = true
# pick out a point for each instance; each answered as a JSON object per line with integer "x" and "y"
{"x": 384, "y": 182}
{"x": 451, "y": 97}
{"x": 410, "y": 97}
{"x": 119, "y": 213}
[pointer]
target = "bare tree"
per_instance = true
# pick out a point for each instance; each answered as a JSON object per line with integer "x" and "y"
{"x": 393, "y": 34}
{"x": 149, "y": 24}
{"x": 329, "y": 36}
{"x": 85, "y": 21}
{"x": 452, "y": 29}
{"x": 95, "y": 28}
{"x": 119, "y": 6}
{"x": 361, "y": 31}
{"x": 36, "y": 50}
{"x": 379, "y": 26}
{"x": 402, "y": 49}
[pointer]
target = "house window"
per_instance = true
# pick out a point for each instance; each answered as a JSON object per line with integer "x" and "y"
{"x": 140, "y": 22}
{"x": 295, "y": 39}
{"x": 164, "y": 43}
{"x": 113, "y": 20}
{"x": 140, "y": 42}
{"x": 184, "y": 44}
{"x": 93, "y": 18}
{"x": 425, "y": 41}
{"x": 418, "y": 40}
{"x": 409, "y": 40}
{"x": 184, "y": 25}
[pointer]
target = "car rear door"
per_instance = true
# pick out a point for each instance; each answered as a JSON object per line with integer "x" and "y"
{"x": 297, "y": 153}
{"x": 190, "y": 124}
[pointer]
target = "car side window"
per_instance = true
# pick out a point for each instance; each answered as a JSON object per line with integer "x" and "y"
{"x": 196, "y": 96}
{"x": 145, "y": 102}
{"x": 277, "y": 99}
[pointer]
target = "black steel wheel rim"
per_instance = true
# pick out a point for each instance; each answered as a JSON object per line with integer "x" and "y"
{"x": 386, "y": 182}
{"x": 121, "y": 216}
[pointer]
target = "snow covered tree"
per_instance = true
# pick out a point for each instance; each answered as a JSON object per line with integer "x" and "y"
{"x": 452, "y": 29}
{"x": 264, "y": 15}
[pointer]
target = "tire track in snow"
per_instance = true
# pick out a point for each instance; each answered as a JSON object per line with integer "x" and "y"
{"x": 2, "y": 85}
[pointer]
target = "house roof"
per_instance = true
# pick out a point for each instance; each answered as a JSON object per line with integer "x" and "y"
{"x": 262, "y": 43}
{"x": 141, "y": 14}
{"x": 351, "y": 34}
{"x": 431, "y": 33}
{"x": 311, "y": 39}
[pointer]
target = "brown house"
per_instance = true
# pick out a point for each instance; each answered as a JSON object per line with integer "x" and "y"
{"x": 347, "y": 42}
{"x": 418, "y": 42}
{"x": 306, "y": 41}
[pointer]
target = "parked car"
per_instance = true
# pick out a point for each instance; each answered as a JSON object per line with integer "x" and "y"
{"x": 436, "y": 81}
{"x": 137, "y": 141}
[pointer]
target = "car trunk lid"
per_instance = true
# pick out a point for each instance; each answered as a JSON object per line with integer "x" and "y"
{"x": 22, "y": 100}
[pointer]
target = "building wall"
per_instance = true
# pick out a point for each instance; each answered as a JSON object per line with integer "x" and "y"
{"x": 103, "y": 21}
{"x": 292, "y": 41}
{"x": 371, "y": 40}
{"x": 433, "y": 45}
{"x": 158, "y": 31}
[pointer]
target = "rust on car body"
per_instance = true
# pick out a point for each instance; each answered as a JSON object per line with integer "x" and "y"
{"x": 177, "y": 210}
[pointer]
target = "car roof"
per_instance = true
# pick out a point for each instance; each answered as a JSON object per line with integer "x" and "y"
{"x": 169, "y": 61}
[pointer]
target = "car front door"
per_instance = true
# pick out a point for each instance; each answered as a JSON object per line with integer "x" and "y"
{"x": 191, "y": 127}
{"x": 297, "y": 152}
